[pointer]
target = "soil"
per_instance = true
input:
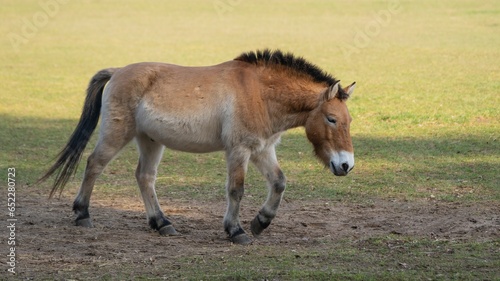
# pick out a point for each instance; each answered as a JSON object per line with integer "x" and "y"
{"x": 50, "y": 246}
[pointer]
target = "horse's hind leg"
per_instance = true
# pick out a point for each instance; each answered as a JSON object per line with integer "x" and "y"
{"x": 150, "y": 156}
{"x": 267, "y": 164}
{"x": 106, "y": 149}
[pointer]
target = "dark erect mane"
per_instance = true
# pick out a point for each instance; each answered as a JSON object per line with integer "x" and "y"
{"x": 299, "y": 64}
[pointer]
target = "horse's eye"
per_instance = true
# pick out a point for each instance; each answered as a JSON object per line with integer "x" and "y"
{"x": 331, "y": 119}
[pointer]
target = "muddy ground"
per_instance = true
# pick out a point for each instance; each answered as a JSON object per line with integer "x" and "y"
{"x": 49, "y": 246}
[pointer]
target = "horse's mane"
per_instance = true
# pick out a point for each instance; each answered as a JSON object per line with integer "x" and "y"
{"x": 298, "y": 64}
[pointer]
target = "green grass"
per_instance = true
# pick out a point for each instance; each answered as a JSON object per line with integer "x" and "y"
{"x": 386, "y": 258}
{"x": 426, "y": 109}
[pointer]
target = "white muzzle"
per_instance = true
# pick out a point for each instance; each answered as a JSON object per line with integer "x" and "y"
{"x": 341, "y": 163}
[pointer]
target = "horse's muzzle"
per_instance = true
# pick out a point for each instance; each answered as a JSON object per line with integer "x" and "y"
{"x": 342, "y": 163}
{"x": 343, "y": 171}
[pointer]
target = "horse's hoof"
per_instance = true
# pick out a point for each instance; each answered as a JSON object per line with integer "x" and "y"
{"x": 241, "y": 239}
{"x": 84, "y": 222}
{"x": 168, "y": 230}
{"x": 256, "y": 227}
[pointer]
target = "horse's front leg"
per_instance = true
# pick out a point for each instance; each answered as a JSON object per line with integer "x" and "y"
{"x": 237, "y": 164}
{"x": 268, "y": 165}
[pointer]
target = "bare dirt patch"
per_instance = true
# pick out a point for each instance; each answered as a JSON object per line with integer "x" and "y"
{"x": 50, "y": 246}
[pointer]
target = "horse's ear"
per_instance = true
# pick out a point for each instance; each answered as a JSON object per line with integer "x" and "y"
{"x": 331, "y": 92}
{"x": 350, "y": 89}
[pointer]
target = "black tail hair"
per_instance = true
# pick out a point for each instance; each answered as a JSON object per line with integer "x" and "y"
{"x": 70, "y": 156}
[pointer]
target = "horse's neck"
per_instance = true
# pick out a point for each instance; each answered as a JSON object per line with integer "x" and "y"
{"x": 290, "y": 105}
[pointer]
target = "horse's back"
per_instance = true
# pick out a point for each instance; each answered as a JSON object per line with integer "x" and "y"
{"x": 180, "y": 88}
{"x": 185, "y": 108}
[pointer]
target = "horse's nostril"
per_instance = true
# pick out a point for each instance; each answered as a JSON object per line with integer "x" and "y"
{"x": 345, "y": 167}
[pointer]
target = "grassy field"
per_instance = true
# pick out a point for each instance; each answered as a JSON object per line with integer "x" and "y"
{"x": 426, "y": 112}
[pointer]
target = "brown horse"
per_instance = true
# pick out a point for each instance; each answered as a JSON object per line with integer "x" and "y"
{"x": 241, "y": 106}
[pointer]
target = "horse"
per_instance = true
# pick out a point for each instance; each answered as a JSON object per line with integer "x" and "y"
{"x": 240, "y": 106}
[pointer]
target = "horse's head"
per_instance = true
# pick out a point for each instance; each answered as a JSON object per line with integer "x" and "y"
{"x": 327, "y": 128}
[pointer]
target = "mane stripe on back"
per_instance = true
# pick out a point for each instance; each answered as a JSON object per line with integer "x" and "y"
{"x": 298, "y": 64}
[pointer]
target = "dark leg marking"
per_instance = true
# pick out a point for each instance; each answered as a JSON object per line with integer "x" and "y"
{"x": 239, "y": 236}
{"x": 257, "y": 225}
{"x": 237, "y": 232}
{"x": 82, "y": 215}
{"x": 163, "y": 225}
{"x": 280, "y": 183}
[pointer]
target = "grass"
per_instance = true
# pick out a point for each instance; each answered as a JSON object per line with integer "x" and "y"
{"x": 386, "y": 258}
{"x": 426, "y": 109}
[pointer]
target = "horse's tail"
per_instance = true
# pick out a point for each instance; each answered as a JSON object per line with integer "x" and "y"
{"x": 70, "y": 156}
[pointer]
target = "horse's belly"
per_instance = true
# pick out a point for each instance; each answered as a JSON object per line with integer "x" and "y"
{"x": 194, "y": 134}
{"x": 190, "y": 143}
